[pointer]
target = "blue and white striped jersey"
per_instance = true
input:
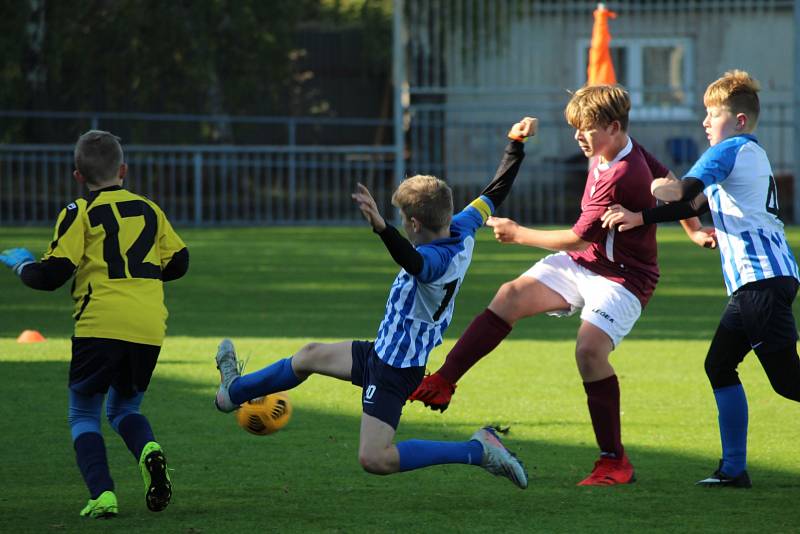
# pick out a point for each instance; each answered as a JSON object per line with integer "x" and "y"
{"x": 419, "y": 309}
{"x": 743, "y": 199}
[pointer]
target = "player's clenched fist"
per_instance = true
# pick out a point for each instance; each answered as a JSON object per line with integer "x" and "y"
{"x": 505, "y": 230}
{"x": 523, "y": 129}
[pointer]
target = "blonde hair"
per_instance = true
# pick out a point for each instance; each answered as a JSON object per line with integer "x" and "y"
{"x": 98, "y": 156}
{"x": 598, "y": 105}
{"x": 426, "y": 198}
{"x": 736, "y": 90}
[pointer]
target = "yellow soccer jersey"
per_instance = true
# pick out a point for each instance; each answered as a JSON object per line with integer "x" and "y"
{"x": 119, "y": 242}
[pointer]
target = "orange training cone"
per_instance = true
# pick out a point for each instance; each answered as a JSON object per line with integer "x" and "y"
{"x": 601, "y": 68}
{"x": 30, "y": 336}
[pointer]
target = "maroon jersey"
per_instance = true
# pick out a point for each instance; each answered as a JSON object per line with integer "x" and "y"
{"x": 629, "y": 258}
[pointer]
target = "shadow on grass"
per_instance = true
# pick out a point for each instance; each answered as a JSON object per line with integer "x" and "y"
{"x": 306, "y": 478}
{"x": 280, "y": 282}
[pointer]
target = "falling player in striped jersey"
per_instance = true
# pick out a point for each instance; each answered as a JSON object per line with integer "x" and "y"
{"x": 433, "y": 260}
{"x": 733, "y": 179}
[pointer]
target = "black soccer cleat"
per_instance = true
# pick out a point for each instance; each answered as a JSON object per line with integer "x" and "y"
{"x": 722, "y": 480}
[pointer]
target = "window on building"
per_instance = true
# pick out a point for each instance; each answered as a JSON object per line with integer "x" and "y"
{"x": 656, "y": 72}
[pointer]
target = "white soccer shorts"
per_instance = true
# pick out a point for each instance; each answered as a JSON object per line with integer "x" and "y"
{"x": 606, "y": 304}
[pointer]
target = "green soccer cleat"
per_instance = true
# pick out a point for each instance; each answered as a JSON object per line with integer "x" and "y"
{"x": 157, "y": 485}
{"x": 103, "y": 507}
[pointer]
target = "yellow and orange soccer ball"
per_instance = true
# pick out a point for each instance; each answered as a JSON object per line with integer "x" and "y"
{"x": 265, "y": 415}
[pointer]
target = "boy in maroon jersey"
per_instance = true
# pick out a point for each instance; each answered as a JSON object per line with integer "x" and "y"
{"x": 610, "y": 275}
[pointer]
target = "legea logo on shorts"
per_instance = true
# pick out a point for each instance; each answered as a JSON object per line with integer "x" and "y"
{"x": 369, "y": 392}
{"x": 603, "y": 314}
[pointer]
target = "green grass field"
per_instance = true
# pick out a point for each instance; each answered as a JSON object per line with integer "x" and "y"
{"x": 272, "y": 290}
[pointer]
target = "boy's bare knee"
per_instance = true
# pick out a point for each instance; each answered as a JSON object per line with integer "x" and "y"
{"x": 308, "y": 353}
{"x": 506, "y": 302}
{"x": 373, "y": 463}
{"x": 590, "y": 358}
{"x": 311, "y": 349}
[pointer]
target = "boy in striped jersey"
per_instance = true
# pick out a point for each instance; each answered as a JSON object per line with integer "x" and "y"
{"x": 433, "y": 260}
{"x": 733, "y": 179}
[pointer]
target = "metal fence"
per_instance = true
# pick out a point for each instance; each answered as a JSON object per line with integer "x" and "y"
{"x": 464, "y": 71}
{"x": 207, "y": 184}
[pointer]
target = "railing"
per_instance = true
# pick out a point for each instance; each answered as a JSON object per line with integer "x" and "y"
{"x": 208, "y": 184}
{"x": 227, "y": 185}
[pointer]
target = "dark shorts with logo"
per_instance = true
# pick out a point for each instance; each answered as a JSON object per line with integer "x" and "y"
{"x": 99, "y": 363}
{"x": 385, "y": 388}
{"x": 762, "y": 310}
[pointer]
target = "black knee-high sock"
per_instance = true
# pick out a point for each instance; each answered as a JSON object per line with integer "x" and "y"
{"x": 136, "y": 433}
{"x": 90, "y": 452}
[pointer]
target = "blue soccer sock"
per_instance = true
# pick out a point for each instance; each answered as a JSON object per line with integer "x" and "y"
{"x": 136, "y": 433}
{"x": 90, "y": 452}
{"x": 276, "y": 377}
{"x": 417, "y": 453}
{"x": 732, "y": 407}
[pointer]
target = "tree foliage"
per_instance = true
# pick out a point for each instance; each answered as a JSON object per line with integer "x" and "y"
{"x": 232, "y": 57}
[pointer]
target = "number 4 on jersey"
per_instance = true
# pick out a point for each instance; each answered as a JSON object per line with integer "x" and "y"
{"x": 772, "y": 197}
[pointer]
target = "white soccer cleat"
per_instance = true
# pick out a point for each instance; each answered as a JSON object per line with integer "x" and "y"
{"x": 498, "y": 460}
{"x": 229, "y": 370}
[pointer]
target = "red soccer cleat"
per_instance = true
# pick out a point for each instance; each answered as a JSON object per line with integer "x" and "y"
{"x": 435, "y": 392}
{"x": 609, "y": 472}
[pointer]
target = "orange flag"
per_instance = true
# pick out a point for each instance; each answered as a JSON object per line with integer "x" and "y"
{"x": 601, "y": 69}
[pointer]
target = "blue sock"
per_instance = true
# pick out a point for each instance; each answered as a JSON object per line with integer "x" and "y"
{"x": 416, "y": 453}
{"x": 276, "y": 377}
{"x": 732, "y": 407}
{"x": 136, "y": 433}
{"x": 90, "y": 452}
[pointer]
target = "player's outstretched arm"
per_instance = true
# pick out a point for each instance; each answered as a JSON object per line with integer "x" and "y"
{"x": 368, "y": 207}
{"x": 401, "y": 250}
{"x": 514, "y": 153}
{"x": 46, "y": 275}
{"x": 509, "y": 231}
{"x": 16, "y": 259}
{"x": 617, "y": 216}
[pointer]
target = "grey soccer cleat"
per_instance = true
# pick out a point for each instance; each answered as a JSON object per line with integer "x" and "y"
{"x": 498, "y": 460}
{"x": 229, "y": 370}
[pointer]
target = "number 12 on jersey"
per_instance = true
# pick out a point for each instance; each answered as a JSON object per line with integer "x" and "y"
{"x": 104, "y": 216}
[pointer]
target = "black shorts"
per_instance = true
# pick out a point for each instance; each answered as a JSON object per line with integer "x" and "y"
{"x": 99, "y": 363}
{"x": 385, "y": 388}
{"x": 762, "y": 310}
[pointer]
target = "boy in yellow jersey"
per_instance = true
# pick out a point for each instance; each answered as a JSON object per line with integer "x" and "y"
{"x": 120, "y": 248}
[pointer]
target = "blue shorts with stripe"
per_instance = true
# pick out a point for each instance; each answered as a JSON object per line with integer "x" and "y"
{"x": 385, "y": 388}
